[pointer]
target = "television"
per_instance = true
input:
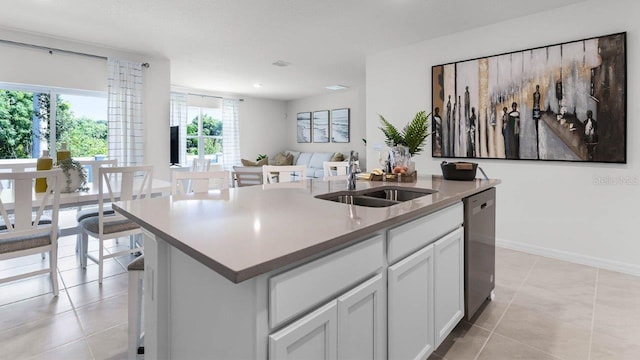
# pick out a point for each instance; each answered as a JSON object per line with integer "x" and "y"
{"x": 175, "y": 145}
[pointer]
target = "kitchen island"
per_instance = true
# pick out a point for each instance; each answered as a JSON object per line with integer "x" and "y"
{"x": 272, "y": 271}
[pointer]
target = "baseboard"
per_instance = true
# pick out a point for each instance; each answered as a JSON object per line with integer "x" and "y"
{"x": 571, "y": 257}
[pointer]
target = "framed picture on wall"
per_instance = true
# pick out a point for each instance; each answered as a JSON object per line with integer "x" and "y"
{"x": 564, "y": 102}
{"x": 340, "y": 125}
{"x": 321, "y": 126}
{"x": 304, "y": 127}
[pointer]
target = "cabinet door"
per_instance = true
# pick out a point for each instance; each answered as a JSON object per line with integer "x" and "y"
{"x": 449, "y": 283}
{"x": 155, "y": 297}
{"x": 410, "y": 307}
{"x": 312, "y": 337}
{"x": 361, "y": 332}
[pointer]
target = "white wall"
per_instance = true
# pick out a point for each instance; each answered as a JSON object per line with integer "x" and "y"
{"x": 576, "y": 211}
{"x": 350, "y": 98}
{"x": 262, "y": 127}
{"x": 37, "y": 67}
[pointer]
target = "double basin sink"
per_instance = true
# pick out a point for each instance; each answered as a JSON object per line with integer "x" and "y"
{"x": 377, "y": 197}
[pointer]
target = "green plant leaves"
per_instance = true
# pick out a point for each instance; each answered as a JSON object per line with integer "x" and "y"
{"x": 412, "y": 136}
{"x": 416, "y": 132}
{"x": 391, "y": 133}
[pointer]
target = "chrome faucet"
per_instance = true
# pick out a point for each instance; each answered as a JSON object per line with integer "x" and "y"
{"x": 352, "y": 169}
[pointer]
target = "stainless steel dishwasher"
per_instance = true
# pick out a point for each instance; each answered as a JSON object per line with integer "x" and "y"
{"x": 479, "y": 250}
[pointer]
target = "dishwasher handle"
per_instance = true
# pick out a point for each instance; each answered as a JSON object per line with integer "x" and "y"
{"x": 483, "y": 206}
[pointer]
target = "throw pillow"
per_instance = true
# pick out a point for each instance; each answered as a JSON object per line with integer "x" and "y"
{"x": 284, "y": 159}
{"x": 246, "y": 162}
{"x": 337, "y": 157}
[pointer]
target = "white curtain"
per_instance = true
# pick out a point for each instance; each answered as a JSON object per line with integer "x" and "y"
{"x": 230, "y": 133}
{"x": 179, "y": 118}
{"x": 124, "y": 115}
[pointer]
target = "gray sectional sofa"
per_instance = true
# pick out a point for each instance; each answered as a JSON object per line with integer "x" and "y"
{"x": 312, "y": 160}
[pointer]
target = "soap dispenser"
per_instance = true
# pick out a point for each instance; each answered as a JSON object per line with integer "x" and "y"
{"x": 45, "y": 162}
{"x": 63, "y": 153}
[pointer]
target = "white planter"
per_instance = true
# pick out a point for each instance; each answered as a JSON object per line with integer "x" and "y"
{"x": 74, "y": 176}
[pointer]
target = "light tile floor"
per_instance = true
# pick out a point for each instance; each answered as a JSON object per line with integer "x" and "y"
{"x": 551, "y": 309}
{"x": 544, "y": 309}
{"x": 86, "y": 321}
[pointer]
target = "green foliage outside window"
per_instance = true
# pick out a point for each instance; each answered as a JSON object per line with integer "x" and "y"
{"x": 16, "y": 112}
{"x": 84, "y": 137}
{"x": 210, "y": 127}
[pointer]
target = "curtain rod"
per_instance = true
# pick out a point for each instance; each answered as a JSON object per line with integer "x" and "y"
{"x": 51, "y": 50}
{"x": 203, "y": 95}
{"x": 211, "y": 96}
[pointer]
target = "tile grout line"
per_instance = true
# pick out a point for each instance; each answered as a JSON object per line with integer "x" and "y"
{"x": 593, "y": 312}
{"x": 506, "y": 309}
{"x": 62, "y": 288}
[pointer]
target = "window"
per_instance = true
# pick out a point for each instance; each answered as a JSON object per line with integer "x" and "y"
{"x": 33, "y": 119}
{"x": 209, "y": 128}
{"x": 204, "y": 134}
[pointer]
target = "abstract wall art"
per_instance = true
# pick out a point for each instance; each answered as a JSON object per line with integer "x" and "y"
{"x": 559, "y": 102}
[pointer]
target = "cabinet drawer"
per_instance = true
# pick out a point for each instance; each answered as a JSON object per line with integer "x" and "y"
{"x": 298, "y": 290}
{"x": 408, "y": 238}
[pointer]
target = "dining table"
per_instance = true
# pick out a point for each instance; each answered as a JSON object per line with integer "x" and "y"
{"x": 87, "y": 197}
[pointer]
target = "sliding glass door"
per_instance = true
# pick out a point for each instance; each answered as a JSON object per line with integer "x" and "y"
{"x": 34, "y": 118}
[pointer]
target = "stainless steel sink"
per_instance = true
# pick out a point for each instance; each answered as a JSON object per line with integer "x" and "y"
{"x": 358, "y": 200}
{"x": 377, "y": 197}
{"x": 397, "y": 193}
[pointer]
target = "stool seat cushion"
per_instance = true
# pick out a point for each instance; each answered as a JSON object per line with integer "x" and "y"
{"x": 91, "y": 224}
{"x": 23, "y": 243}
{"x": 137, "y": 264}
{"x": 93, "y": 211}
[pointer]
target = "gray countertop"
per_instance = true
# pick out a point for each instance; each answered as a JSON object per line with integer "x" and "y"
{"x": 244, "y": 232}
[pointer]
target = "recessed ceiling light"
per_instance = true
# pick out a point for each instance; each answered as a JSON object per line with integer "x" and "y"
{"x": 280, "y": 63}
{"x": 336, "y": 87}
{"x": 257, "y": 85}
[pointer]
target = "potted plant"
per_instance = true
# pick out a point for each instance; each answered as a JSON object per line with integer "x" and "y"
{"x": 75, "y": 176}
{"x": 413, "y": 135}
{"x": 405, "y": 144}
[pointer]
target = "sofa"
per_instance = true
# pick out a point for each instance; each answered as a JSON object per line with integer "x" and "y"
{"x": 313, "y": 161}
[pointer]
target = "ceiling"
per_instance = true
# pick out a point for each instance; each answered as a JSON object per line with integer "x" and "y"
{"x": 227, "y": 46}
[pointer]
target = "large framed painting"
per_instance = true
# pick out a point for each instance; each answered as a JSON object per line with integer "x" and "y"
{"x": 321, "y": 126}
{"x": 304, "y": 127}
{"x": 340, "y": 125}
{"x": 559, "y": 102}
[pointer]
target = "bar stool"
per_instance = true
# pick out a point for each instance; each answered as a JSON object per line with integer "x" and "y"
{"x": 136, "y": 274}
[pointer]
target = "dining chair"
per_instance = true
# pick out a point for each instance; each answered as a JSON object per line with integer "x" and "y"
{"x": 200, "y": 164}
{"x": 247, "y": 175}
{"x": 185, "y": 182}
{"x": 92, "y": 211}
{"x": 335, "y": 170}
{"x": 288, "y": 173}
{"x": 127, "y": 183}
{"x": 27, "y": 232}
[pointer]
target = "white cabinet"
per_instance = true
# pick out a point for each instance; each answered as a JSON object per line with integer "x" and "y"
{"x": 312, "y": 337}
{"x": 155, "y": 298}
{"x": 410, "y": 307}
{"x": 350, "y": 327}
{"x": 448, "y": 283}
{"x": 295, "y": 292}
{"x": 425, "y": 288}
{"x": 361, "y": 321}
